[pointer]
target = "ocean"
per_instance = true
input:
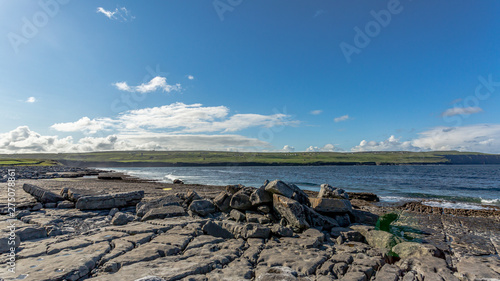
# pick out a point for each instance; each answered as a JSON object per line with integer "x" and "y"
{"x": 451, "y": 186}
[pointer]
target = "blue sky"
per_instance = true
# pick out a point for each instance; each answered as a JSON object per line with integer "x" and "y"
{"x": 249, "y": 75}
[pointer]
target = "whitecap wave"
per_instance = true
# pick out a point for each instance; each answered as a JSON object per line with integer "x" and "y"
{"x": 490, "y": 201}
{"x": 454, "y": 205}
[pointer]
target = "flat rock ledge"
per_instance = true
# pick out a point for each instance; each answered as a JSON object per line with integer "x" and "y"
{"x": 275, "y": 232}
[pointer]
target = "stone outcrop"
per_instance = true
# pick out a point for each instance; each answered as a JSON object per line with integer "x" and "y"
{"x": 109, "y": 201}
{"x": 291, "y": 210}
{"x": 42, "y": 195}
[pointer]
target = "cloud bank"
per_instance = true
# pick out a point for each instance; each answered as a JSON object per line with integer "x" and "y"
{"x": 155, "y": 84}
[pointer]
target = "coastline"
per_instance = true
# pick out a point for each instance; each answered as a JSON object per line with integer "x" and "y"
{"x": 458, "y": 245}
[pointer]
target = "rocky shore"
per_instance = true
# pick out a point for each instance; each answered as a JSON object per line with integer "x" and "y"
{"x": 111, "y": 228}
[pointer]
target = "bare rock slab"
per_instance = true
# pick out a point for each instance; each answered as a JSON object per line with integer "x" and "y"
{"x": 291, "y": 210}
{"x": 331, "y": 205}
{"x": 42, "y": 195}
{"x": 109, "y": 201}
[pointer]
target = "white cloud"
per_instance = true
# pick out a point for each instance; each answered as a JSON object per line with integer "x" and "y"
{"x": 85, "y": 124}
{"x": 23, "y": 140}
{"x": 288, "y": 148}
{"x": 177, "y": 118}
{"x": 157, "y": 83}
{"x": 120, "y": 14}
{"x": 461, "y": 111}
{"x": 341, "y": 118}
{"x": 326, "y": 148}
{"x": 476, "y": 138}
{"x": 316, "y": 112}
{"x": 31, "y": 100}
{"x": 190, "y": 77}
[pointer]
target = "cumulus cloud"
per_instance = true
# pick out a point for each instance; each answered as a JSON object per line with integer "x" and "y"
{"x": 462, "y": 111}
{"x": 326, "y": 148}
{"x": 155, "y": 84}
{"x": 85, "y": 124}
{"x": 31, "y": 100}
{"x": 190, "y": 77}
{"x": 477, "y": 138}
{"x": 177, "y": 118}
{"x": 288, "y": 148}
{"x": 24, "y": 140}
{"x": 120, "y": 14}
{"x": 341, "y": 118}
{"x": 316, "y": 112}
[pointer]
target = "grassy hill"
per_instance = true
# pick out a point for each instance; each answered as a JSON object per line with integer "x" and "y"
{"x": 195, "y": 158}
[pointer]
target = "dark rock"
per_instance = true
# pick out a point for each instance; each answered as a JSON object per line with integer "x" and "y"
{"x": 364, "y": 217}
{"x": 281, "y": 231}
{"x": 330, "y": 205}
{"x": 109, "y": 201}
{"x": 66, "y": 205}
{"x": 290, "y": 210}
{"x": 110, "y": 176}
{"x": 366, "y": 196}
{"x": 254, "y": 230}
{"x": 145, "y": 206}
{"x": 42, "y": 195}
{"x": 241, "y": 200}
{"x": 261, "y": 196}
{"x": 222, "y": 201}
{"x": 288, "y": 190}
{"x": 328, "y": 191}
{"x": 237, "y": 215}
{"x": 317, "y": 220}
{"x": 232, "y": 189}
{"x": 216, "y": 230}
{"x": 177, "y": 181}
{"x": 264, "y": 209}
{"x": 22, "y": 213}
{"x": 256, "y": 217}
{"x": 37, "y": 206}
{"x": 113, "y": 211}
{"x": 202, "y": 207}
{"x": 164, "y": 212}
{"x": 50, "y": 205}
{"x": 119, "y": 219}
{"x": 343, "y": 220}
{"x": 190, "y": 197}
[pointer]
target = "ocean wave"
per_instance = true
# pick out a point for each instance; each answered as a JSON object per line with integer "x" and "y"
{"x": 396, "y": 199}
{"x": 454, "y": 205}
{"x": 171, "y": 177}
{"x": 490, "y": 201}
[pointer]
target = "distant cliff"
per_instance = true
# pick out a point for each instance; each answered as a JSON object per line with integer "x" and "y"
{"x": 473, "y": 159}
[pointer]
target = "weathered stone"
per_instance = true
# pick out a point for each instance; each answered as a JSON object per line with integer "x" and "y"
{"x": 50, "y": 205}
{"x": 150, "y": 278}
{"x": 216, "y": 230}
{"x": 222, "y": 201}
{"x": 202, "y": 207}
{"x": 364, "y": 217}
{"x": 328, "y": 191}
{"x": 280, "y": 188}
{"x": 110, "y": 176}
{"x": 330, "y": 205}
{"x": 177, "y": 181}
{"x": 65, "y": 205}
{"x": 319, "y": 221}
{"x": 256, "y": 217}
{"x": 113, "y": 211}
{"x": 164, "y": 212}
{"x": 191, "y": 196}
{"x": 354, "y": 276}
{"x": 145, "y": 206}
{"x": 304, "y": 261}
{"x": 281, "y": 231}
{"x": 291, "y": 210}
{"x": 237, "y": 215}
{"x": 429, "y": 268}
{"x": 42, "y": 195}
{"x": 388, "y": 272}
{"x": 241, "y": 200}
{"x": 109, "y": 201}
{"x": 119, "y": 219}
{"x": 31, "y": 232}
{"x": 264, "y": 209}
{"x": 381, "y": 239}
{"x": 37, "y": 206}
{"x": 253, "y": 230}
{"x": 415, "y": 250}
{"x": 281, "y": 273}
{"x": 261, "y": 196}
{"x": 365, "y": 196}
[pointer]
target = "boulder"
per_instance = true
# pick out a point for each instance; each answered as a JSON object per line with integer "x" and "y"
{"x": 319, "y": 221}
{"x": 281, "y": 231}
{"x": 256, "y": 217}
{"x": 260, "y": 196}
{"x": 388, "y": 272}
{"x": 328, "y": 191}
{"x": 381, "y": 239}
{"x": 202, "y": 207}
{"x": 415, "y": 250}
{"x": 331, "y": 206}
{"x": 37, "y": 206}
{"x": 255, "y": 230}
{"x": 109, "y": 201}
{"x": 291, "y": 210}
{"x": 144, "y": 207}
{"x": 213, "y": 229}
{"x": 119, "y": 219}
{"x": 65, "y": 205}
{"x": 222, "y": 201}
{"x": 113, "y": 211}
{"x": 177, "y": 181}
{"x": 241, "y": 200}
{"x": 164, "y": 212}
{"x": 237, "y": 215}
{"x": 42, "y": 195}
{"x": 287, "y": 190}
{"x": 191, "y": 196}
{"x": 264, "y": 209}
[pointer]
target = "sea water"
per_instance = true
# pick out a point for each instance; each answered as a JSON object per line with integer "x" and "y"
{"x": 452, "y": 186}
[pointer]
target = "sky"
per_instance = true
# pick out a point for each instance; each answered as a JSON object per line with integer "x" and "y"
{"x": 240, "y": 75}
